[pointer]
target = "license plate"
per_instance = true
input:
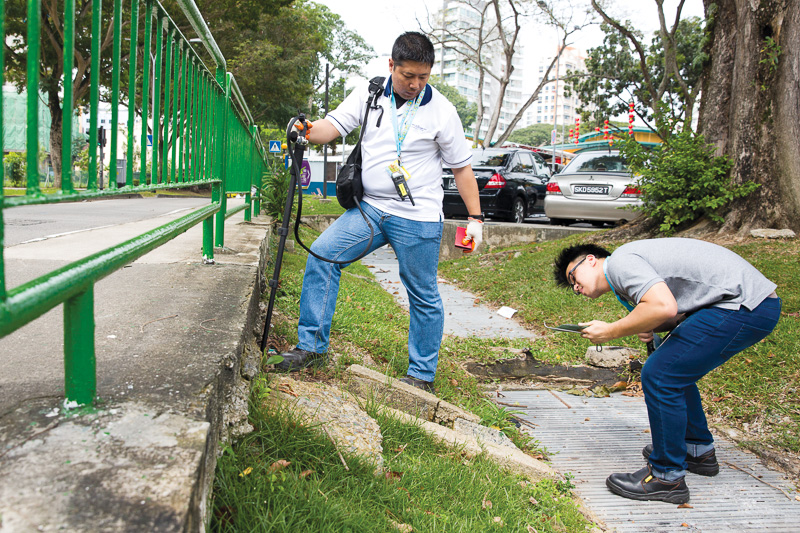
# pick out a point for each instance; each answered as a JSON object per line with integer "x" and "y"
{"x": 590, "y": 189}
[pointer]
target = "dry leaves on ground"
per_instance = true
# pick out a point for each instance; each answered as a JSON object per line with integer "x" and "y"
{"x": 280, "y": 464}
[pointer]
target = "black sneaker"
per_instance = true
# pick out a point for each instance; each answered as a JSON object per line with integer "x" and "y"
{"x": 643, "y": 485}
{"x": 297, "y": 359}
{"x": 703, "y": 465}
{"x": 427, "y": 386}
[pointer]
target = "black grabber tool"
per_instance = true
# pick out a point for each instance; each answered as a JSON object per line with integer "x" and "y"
{"x": 297, "y": 143}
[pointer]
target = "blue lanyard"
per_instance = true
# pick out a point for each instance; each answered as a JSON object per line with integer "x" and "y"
{"x": 625, "y": 304}
{"x": 401, "y": 130}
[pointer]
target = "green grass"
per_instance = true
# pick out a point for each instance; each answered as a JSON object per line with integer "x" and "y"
{"x": 313, "y": 206}
{"x": 757, "y": 392}
{"x": 426, "y": 485}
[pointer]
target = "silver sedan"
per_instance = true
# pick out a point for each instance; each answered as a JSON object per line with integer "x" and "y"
{"x": 594, "y": 186}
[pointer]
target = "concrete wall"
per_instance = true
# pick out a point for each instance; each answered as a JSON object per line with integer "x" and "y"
{"x": 495, "y": 234}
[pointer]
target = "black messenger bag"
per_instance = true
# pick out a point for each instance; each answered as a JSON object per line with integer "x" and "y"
{"x": 349, "y": 189}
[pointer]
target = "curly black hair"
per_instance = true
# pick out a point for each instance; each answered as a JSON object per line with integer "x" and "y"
{"x": 570, "y": 254}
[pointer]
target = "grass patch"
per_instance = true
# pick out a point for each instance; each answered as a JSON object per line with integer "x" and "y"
{"x": 428, "y": 486}
{"x": 312, "y": 205}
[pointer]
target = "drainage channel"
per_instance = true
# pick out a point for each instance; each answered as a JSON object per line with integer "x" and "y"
{"x": 595, "y": 437}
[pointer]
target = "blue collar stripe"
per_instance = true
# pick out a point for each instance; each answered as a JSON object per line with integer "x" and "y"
{"x": 426, "y": 97}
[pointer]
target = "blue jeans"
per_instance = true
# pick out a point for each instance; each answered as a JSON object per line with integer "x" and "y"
{"x": 701, "y": 343}
{"x": 416, "y": 245}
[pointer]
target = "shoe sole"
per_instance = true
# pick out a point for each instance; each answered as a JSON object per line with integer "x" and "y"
{"x": 700, "y": 470}
{"x": 672, "y": 496}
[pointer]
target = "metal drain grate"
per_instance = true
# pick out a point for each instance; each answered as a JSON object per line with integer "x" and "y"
{"x": 595, "y": 437}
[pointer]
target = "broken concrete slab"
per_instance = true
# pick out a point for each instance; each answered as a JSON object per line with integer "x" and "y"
{"x": 369, "y": 384}
{"x": 772, "y": 233}
{"x": 332, "y": 412}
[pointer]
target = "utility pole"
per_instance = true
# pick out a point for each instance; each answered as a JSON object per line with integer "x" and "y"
{"x": 325, "y": 147}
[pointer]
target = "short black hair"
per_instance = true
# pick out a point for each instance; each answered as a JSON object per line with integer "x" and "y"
{"x": 569, "y": 255}
{"x": 413, "y": 46}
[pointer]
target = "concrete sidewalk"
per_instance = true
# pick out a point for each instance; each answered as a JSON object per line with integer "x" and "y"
{"x": 174, "y": 348}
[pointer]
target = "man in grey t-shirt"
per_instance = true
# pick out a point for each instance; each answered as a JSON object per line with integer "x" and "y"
{"x": 714, "y": 303}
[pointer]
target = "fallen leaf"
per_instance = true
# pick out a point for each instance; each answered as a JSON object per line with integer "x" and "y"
{"x": 280, "y": 464}
{"x": 748, "y": 361}
{"x": 720, "y": 398}
{"x": 498, "y": 520}
{"x": 486, "y": 504}
{"x": 532, "y": 529}
{"x": 402, "y": 528}
{"x": 646, "y": 431}
{"x": 586, "y": 419}
{"x": 453, "y": 382}
{"x": 533, "y": 501}
{"x": 797, "y": 498}
{"x": 684, "y": 525}
{"x": 391, "y": 475}
{"x": 685, "y": 506}
{"x": 246, "y": 471}
{"x": 305, "y": 473}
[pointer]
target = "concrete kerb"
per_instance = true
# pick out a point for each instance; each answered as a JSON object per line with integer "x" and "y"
{"x": 369, "y": 384}
{"x": 495, "y": 234}
{"x": 144, "y": 459}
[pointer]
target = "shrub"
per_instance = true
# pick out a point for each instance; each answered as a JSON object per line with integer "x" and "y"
{"x": 274, "y": 189}
{"x": 682, "y": 180}
{"x": 15, "y": 163}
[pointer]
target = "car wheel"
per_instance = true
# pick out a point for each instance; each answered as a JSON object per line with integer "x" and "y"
{"x": 517, "y": 211}
{"x": 561, "y": 221}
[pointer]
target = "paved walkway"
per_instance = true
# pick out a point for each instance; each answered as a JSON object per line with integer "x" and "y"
{"x": 595, "y": 437}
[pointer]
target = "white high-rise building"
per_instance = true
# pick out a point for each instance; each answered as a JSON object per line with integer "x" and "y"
{"x": 457, "y": 72}
{"x": 552, "y": 107}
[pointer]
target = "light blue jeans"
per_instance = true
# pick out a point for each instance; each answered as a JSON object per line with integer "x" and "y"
{"x": 416, "y": 245}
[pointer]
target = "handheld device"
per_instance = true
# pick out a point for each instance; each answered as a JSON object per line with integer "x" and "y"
{"x": 569, "y": 328}
{"x": 464, "y": 242}
{"x": 401, "y": 186}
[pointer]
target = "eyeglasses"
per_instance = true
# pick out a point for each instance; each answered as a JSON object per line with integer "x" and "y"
{"x": 570, "y": 277}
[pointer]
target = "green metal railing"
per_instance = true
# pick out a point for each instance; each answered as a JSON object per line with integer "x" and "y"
{"x": 202, "y": 134}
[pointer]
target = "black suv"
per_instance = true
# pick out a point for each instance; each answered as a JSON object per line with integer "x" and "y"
{"x": 512, "y": 183}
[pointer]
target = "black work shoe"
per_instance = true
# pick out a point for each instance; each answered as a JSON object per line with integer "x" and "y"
{"x": 297, "y": 359}
{"x": 427, "y": 386}
{"x": 643, "y": 485}
{"x": 703, "y": 465}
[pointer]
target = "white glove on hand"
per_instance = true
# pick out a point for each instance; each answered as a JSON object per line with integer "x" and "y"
{"x": 475, "y": 232}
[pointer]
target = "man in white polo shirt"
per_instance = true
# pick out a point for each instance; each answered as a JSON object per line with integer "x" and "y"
{"x": 416, "y": 128}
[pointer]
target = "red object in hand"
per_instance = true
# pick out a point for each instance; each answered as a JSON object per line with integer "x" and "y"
{"x": 462, "y": 241}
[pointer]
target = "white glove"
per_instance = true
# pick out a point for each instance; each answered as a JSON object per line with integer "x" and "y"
{"x": 475, "y": 232}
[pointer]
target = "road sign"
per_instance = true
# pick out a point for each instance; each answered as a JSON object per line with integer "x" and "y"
{"x": 149, "y": 139}
{"x": 274, "y": 147}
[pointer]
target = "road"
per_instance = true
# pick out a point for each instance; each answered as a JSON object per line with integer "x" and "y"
{"x": 35, "y": 222}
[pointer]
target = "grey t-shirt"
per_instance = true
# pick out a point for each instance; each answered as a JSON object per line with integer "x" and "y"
{"x": 699, "y": 274}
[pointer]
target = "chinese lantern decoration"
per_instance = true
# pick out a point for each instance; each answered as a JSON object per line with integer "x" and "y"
{"x": 605, "y": 130}
{"x": 630, "y": 119}
{"x": 577, "y": 129}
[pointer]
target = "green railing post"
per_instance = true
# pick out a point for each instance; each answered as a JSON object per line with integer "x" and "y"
{"x": 157, "y": 99}
{"x": 80, "y": 374}
{"x": 66, "y": 104}
{"x": 167, "y": 131}
{"x": 116, "y": 55}
{"x": 32, "y": 140}
{"x": 94, "y": 94}
{"x": 148, "y": 27}
{"x": 223, "y": 78}
{"x": 132, "y": 92}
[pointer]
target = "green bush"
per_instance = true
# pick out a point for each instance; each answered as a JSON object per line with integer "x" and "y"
{"x": 15, "y": 168}
{"x": 682, "y": 180}
{"x": 275, "y": 187}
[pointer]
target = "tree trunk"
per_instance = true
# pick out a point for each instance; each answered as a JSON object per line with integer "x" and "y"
{"x": 56, "y": 117}
{"x": 750, "y": 107}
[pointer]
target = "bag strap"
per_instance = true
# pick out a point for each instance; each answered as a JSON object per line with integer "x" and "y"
{"x": 375, "y": 89}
